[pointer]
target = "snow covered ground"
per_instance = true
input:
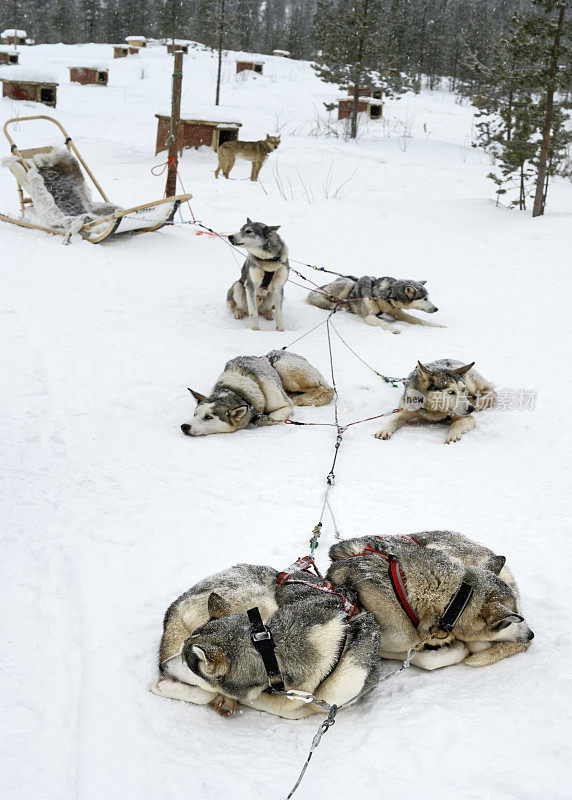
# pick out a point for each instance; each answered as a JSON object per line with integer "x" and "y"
{"x": 110, "y": 512}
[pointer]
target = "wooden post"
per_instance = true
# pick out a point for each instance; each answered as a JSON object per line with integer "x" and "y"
{"x": 220, "y": 44}
{"x": 171, "y": 187}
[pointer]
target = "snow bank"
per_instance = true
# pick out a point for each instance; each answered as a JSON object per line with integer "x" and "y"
{"x": 19, "y": 73}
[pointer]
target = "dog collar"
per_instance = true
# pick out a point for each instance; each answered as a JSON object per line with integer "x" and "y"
{"x": 455, "y": 607}
{"x": 264, "y": 643}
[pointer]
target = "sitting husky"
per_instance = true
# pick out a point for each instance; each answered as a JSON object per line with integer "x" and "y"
{"x": 257, "y": 152}
{"x": 260, "y": 289}
{"x": 434, "y": 566}
{"x": 372, "y": 297}
{"x": 257, "y": 390}
{"x": 443, "y": 391}
{"x": 207, "y": 653}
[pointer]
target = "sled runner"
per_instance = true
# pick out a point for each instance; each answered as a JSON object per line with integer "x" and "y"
{"x": 51, "y": 181}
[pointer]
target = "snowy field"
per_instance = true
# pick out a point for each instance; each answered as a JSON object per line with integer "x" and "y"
{"x": 110, "y": 512}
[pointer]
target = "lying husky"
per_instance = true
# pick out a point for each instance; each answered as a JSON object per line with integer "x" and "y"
{"x": 322, "y": 643}
{"x": 257, "y": 152}
{"x": 260, "y": 289}
{"x": 257, "y": 390}
{"x": 443, "y": 391}
{"x": 371, "y": 297}
{"x": 460, "y": 595}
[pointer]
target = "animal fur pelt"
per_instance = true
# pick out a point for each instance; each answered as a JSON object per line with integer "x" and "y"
{"x": 58, "y": 190}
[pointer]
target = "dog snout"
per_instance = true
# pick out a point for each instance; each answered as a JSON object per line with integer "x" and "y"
{"x": 470, "y": 409}
{"x": 231, "y": 239}
{"x": 530, "y": 635}
{"x": 433, "y": 310}
{"x": 186, "y": 428}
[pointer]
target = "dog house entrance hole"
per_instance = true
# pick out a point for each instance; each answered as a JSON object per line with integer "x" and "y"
{"x": 101, "y": 77}
{"x": 226, "y": 136}
{"x": 13, "y": 59}
{"x": 47, "y": 95}
{"x": 375, "y": 111}
{"x": 258, "y": 67}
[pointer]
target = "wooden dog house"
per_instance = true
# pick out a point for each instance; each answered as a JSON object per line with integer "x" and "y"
{"x": 120, "y": 50}
{"x": 133, "y": 48}
{"x": 184, "y": 48}
{"x": 256, "y": 66}
{"x": 196, "y": 133}
{"x": 8, "y": 56}
{"x": 22, "y": 84}
{"x": 89, "y": 75}
{"x": 281, "y": 53}
{"x": 14, "y": 36}
{"x": 372, "y": 107}
{"x": 136, "y": 41}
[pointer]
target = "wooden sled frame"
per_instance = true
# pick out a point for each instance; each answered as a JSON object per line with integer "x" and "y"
{"x": 91, "y": 230}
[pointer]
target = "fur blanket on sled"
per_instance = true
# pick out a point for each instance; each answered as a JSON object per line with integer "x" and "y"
{"x": 57, "y": 187}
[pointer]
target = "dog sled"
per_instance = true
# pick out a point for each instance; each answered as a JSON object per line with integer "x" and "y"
{"x": 52, "y": 184}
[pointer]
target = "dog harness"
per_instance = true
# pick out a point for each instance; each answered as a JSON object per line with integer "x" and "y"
{"x": 455, "y": 607}
{"x": 307, "y": 564}
{"x": 264, "y": 643}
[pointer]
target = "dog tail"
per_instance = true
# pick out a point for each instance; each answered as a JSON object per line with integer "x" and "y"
{"x": 340, "y": 288}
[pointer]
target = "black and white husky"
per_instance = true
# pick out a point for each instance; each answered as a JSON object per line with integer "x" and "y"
{"x": 260, "y": 289}
{"x": 370, "y": 298}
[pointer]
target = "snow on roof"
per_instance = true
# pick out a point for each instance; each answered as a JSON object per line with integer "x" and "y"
{"x": 248, "y": 61}
{"x": 8, "y": 49}
{"x": 100, "y": 66}
{"x": 135, "y": 39}
{"x": 17, "y": 73}
{"x": 203, "y": 113}
{"x": 13, "y": 32}
{"x": 284, "y": 52}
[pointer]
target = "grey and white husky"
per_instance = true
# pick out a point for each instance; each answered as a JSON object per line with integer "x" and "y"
{"x": 260, "y": 289}
{"x": 207, "y": 655}
{"x": 435, "y": 564}
{"x": 257, "y": 390}
{"x": 442, "y": 391}
{"x": 370, "y": 298}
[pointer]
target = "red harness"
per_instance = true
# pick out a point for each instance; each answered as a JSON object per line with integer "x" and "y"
{"x": 307, "y": 564}
{"x": 395, "y": 575}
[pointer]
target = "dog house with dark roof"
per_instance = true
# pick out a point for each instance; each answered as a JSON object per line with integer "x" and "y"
{"x": 183, "y": 47}
{"x": 372, "y": 107}
{"x": 99, "y": 76}
{"x": 19, "y": 83}
{"x": 14, "y": 36}
{"x": 8, "y": 56}
{"x": 255, "y": 66}
{"x": 367, "y": 91}
{"x": 136, "y": 41}
{"x": 120, "y": 50}
{"x": 281, "y": 53}
{"x": 196, "y": 132}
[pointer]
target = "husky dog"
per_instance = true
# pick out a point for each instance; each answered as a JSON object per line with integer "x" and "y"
{"x": 435, "y": 564}
{"x": 257, "y": 390}
{"x": 257, "y": 152}
{"x": 260, "y": 289}
{"x": 207, "y": 654}
{"x": 372, "y": 297}
{"x": 443, "y": 391}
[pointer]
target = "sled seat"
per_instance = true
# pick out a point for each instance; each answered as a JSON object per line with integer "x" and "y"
{"x": 51, "y": 182}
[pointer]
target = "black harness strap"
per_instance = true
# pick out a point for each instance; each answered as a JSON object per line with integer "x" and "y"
{"x": 457, "y": 604}
{"x": 264, "y": 643}
{"x": 267, "y": 279}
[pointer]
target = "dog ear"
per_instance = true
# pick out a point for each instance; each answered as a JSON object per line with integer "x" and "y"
{"x": 410, "y": 292}
{"x": 248, "y": 221}
{"x": 495, "y": 564}
{"x": 423, "y": 374}
{"x": 271, "y": 228}
{"x": 422, "y": 282}
{"x": 197, "y": 395}
{"x": 236, "y": 414}
{"x": 499, "y": 617}
{"x": 465, "y": 369}
{"x": 212, "y": 658}
{"x": 218, "y": 606}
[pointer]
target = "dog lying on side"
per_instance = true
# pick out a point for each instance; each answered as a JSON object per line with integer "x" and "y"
{"x": 258, "y": 390}
{"x": 260, "y": 289}
{"x": 207, "y": 655}
{"x": 257, "y": 152}
{"x": 370, "y": 298}
{"x": 435, "y": 564}
{"x": 443, "y": 391}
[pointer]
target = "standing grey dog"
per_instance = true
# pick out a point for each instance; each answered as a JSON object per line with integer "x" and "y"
{"x": 258, "y": 390}
{"x": 208, "y": 653}
{"x": 260, "y": 289}
{"x": 437, "y": 567}
{"x": 370, "y": 298}
{"x": 442, "y": 391}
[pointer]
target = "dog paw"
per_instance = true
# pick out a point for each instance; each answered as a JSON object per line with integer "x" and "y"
{"x": 225, "y": 706}
{"x": 453, "y": 437}
{"x": 482, "y": 659}
{"x": 383, "y": 434}
{"x": 238, "y": 314}
{"x": 268, "y": 315}
{"x": 394, "y": 330}
{"x": 159, "y": 687}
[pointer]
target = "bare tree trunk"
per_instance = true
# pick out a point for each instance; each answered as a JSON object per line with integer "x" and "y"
{"x": 540, "y": 195}
{"x": 220, "y": 44}
{"x": 171, "y": 187}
